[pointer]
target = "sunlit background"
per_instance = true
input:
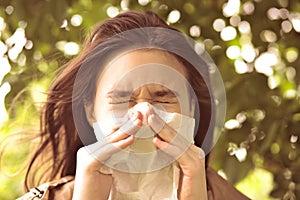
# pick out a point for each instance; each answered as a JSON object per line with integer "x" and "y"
{"x": 254, "y": 43}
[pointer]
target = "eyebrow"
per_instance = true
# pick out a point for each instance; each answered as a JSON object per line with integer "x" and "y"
{"x": 118, "y": 93}
{"x": 125, "y": 93}
{"x": 165, "y": 93}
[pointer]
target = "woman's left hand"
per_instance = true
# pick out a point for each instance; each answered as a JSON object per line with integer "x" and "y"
{"x": 191, "y": 161}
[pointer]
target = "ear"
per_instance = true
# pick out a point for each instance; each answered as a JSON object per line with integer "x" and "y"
{"x": 89, "y": 113}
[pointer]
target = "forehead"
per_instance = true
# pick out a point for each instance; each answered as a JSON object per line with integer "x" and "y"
{"x": 129, "y": 61}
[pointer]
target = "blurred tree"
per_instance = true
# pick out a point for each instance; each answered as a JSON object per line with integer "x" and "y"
{"x": 254, "y": 43}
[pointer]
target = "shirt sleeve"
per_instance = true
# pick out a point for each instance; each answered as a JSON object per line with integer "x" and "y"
{"x": 53, "y": 190}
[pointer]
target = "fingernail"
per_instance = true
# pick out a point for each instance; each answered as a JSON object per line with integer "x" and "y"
{"x": 151, "y": 111}
{"x": 135, "y": 115}
{"x": 155, "y": 126}
{"x": 150, "y": 117}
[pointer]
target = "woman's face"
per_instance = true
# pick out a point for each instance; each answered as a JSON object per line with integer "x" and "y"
{"x": 112, "y": 95}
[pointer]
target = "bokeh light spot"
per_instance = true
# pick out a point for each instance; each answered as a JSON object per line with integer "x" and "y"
{"x": 4, "y": 90}
{"x": 2, "y": 24}
{"x": 219, "y": 24}
{"x": 22, "y": 24}
{"x": 268, "y": 36}
{"x": 248, "y": 53}
{"x": 228, "y": 33}
{"x": 3, "y": 49}
{"x": 9, "y": 9}
{"x": 241, "y": 117}
{"x": 232, "y": 124}
{"x": 124, "y": 4}
{"x": 21, "y": 60}
{"x": 248, "y": 8}
{"x": 233, "y": 52}
{"x": 37, "y": 55}
{"x": 189, "y": 8}
{"x": 195, "y": 31}
{"x": 38, "y": 93}
{"x": 112, "y": 11}
{"x": 17, "y": 41}
{"x": 294, "y": 138}
{"x": 273, "y": 82}
{"x": 244, "y": 27}
{"x": 143, "y": 2}
{"x": 163, "y": 7}
{"x": 295, "y": 18}
{"x": 273, "y": 14}
{"x": 235, "y": 20}
{"x": 173, "y": 16}
{"x": 5, "y": 67}
{"x": 222, "y": 173}
{"x": 29, "y": 44}
{"x": 76, "y": 20}
{"x": 263, "y": 64}
{"x": 64, "y": 24}
{"x": 241, "y": 154}
{"x": 43, "y": 67}
{"x": 232, "y": 7}
{"x": 292, "y": 156}
{"x": 275, "y": 148}
{"x": 286, "y": 26}
{"x": 290, "y": 93}
{"x": 199, "y": 48}
{"x": 208, "y": 43}
{"x": 284, "y": 13}
{"x": 290, "y": 73}
{"x": 240, "y": 66}
{"x": 71, "y": 48}
{"x": 291, "y": 54}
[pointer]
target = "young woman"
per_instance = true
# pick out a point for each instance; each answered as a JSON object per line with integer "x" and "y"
{"x": 113, "y": 73}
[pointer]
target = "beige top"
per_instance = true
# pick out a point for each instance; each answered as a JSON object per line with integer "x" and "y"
{"x": 217, "y": 188}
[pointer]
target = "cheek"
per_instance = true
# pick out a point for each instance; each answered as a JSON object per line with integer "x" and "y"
{"x": 104, "y": 110}
{"x": 101, "y": 107}
{"x": 172, "y": 108}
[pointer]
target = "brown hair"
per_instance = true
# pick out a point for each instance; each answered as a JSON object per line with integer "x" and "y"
{"x": 55, "y": 156}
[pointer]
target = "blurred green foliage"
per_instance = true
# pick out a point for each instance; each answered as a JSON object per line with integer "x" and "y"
{"x": 254, "y": 43}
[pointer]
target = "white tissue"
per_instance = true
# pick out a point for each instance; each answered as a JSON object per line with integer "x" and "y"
{"x": 141, "y": 171}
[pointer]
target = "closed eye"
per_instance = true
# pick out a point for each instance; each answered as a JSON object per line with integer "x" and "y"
{"x": 164, "y": 102}
{"x": 120, "y": 101}
{"x": 119, "y": 97}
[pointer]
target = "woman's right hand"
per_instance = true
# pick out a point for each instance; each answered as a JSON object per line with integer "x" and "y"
{"x": 90, "y": 183}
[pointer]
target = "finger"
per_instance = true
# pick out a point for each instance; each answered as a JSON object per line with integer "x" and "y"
{"x": 108, "y": 150}
{"x": 181, "y": 156}
{"x": 129, "y": 128}
{"x": 161, "y": 127}
{"x": 171, "y": 150}
{"x": 103, "y": 152}
{"x": 131, "y": 116}
{"x": 198, "y": 152}
{"x": 192, "y": 154}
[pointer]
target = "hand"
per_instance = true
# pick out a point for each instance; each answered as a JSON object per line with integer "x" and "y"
{"x": 89, "y": 182}
{"x": 191, "y": 160}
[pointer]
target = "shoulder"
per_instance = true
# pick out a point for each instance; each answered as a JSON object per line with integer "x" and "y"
{"x": 219, "y": 188}
{"x": 58, "y": 189}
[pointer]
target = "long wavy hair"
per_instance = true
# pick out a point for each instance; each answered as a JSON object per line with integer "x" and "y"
{"x": 55, "y": 156}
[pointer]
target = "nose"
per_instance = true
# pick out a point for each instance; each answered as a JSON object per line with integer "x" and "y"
{"x": 142, "y": 95}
